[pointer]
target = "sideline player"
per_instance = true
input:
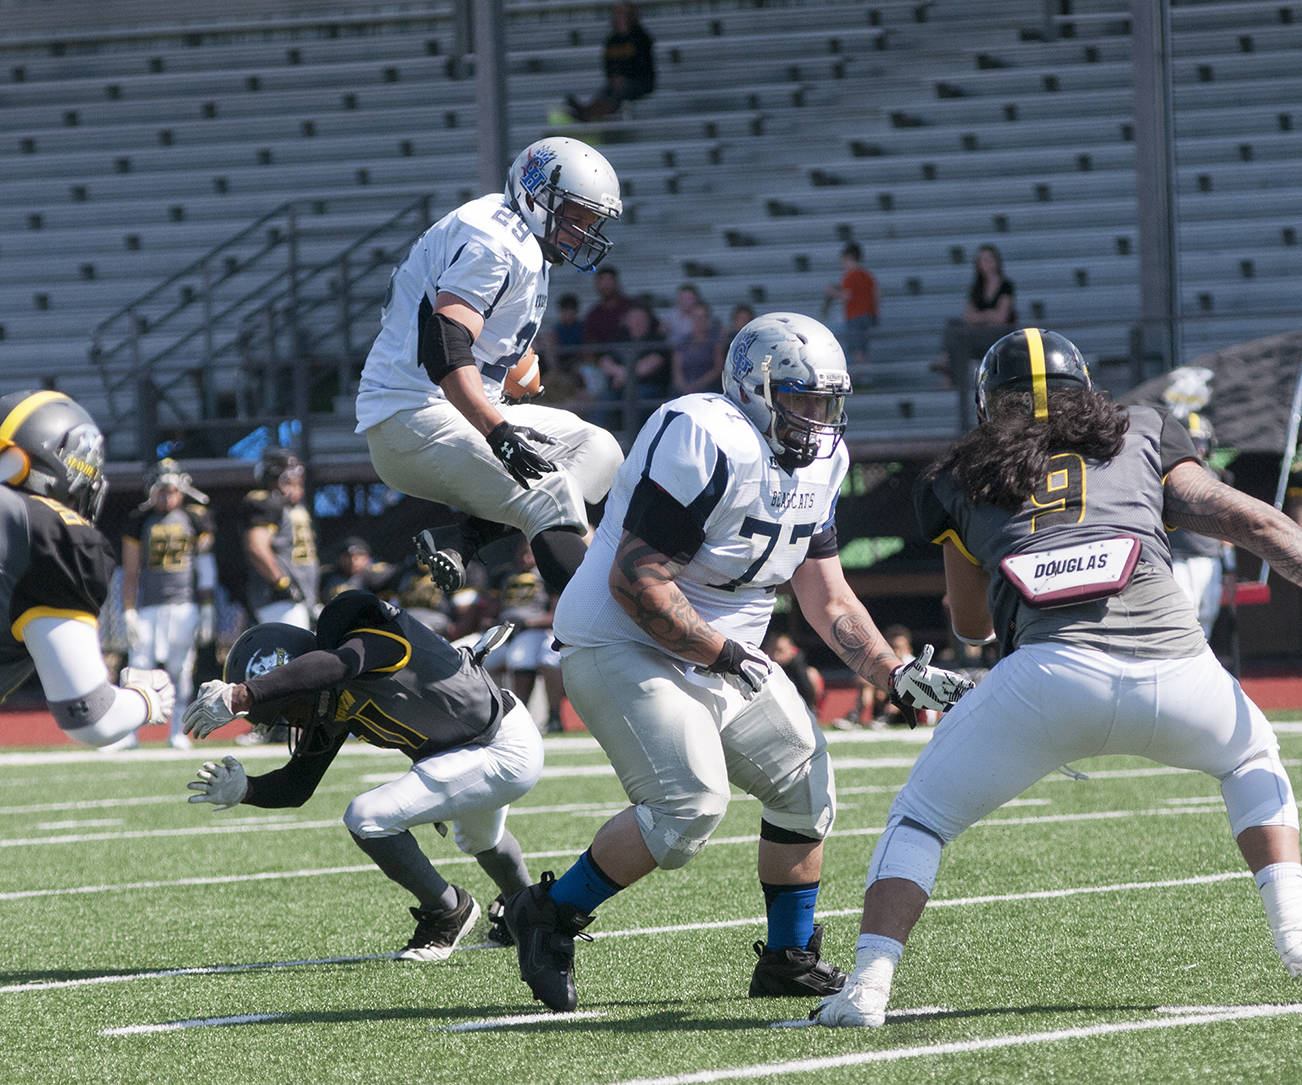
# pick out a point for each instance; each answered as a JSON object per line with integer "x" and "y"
{"x": 374, "y": 671}
{"x": 1052, "y": 513}
{"x": 461, "y": 309}
{"x": 723, "y": 499}
{"x": 55, "y": 567}
{"x": 169, "y": 575}
{"x": 280, "y": 542}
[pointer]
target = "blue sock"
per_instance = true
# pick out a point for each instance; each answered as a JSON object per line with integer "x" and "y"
{"x": 791, "y": 914}
{"x": 585, "y": 885}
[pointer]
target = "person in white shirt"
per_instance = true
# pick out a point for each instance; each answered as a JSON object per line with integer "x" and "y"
{"x": 461, "y": 310}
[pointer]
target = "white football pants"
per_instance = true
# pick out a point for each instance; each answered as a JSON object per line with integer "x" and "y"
{"x": 166, "y": 639}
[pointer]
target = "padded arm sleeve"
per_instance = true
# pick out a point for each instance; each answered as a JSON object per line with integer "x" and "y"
{"x": 444, "y": 346}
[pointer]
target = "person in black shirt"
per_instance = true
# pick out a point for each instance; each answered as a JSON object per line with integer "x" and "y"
{"x": 374, "y": 671}
{"x": 629, "y": 62}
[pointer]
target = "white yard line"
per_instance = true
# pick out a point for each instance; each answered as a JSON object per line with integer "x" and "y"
{"x": 1209, "y": 1016}
{"x": 194, "y": 1022}
{"x": 517, "y": 1019}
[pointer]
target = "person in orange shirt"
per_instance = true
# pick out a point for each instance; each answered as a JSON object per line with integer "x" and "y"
{"x": 857, "y": 291}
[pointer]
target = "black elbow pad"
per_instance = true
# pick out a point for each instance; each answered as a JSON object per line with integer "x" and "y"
{"x": 444, "y": 345}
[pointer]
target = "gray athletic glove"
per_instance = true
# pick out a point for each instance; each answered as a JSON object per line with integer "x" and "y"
{"x": 510, "y": 444}
{"x": 155, "y": 687}
{"x": 744, "y": 665}
{"x": 210, "y": 709}
{"x": 915, "y": 685}
{"x": 222, "y": 783}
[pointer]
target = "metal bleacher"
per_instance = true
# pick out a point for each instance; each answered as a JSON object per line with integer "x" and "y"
{"x": 777, "y": 133}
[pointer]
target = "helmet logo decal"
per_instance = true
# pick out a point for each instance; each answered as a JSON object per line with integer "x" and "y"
{"x": 533, "y": 176}
{"x": 262, "y": 662}
{"x": 742, "y": 366}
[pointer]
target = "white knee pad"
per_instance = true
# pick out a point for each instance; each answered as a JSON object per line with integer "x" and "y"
{"x": 906, "y": 850}
{"x": 366, "y": 819}
{"x": 1258, "y": 792}
{"x": 673, "y": 837}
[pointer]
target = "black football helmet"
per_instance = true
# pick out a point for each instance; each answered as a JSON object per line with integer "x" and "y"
{"x": 61, "y": 445}
{"x": 1030, "y": 359}
{"x": 1202, "y": 433}
{"x": 264, "y": 648}
{"x": 274, "y": 464}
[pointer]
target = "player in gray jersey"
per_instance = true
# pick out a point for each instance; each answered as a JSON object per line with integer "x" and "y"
{"x": 54, "y": 572}
{"x": 373, "y": 671}
{"x": 169, "y": 574}
{"x": 1052, "y": 513}
{"x": 461, "y": 310}
{"x": 280, "y": 542}
{"x": 1203, "y": 567}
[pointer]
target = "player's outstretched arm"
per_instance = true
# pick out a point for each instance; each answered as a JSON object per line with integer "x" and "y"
{"x": 1197, "y": 500}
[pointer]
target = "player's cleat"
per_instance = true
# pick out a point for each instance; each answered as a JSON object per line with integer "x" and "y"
{"x": 794, "y": 971}
{"x": 861, "y": 1002}
{"x": 1288, "y": 944}
{"x": 499, "y": 934}
{"x": 544, "y": 933}
{"x": 446, "y": 567}
{"x": 437, "y": 933}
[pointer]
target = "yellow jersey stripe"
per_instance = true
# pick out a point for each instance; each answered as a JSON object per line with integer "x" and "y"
{"x": 19, "y": 628}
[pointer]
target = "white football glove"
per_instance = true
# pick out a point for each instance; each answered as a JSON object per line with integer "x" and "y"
{"x": 744, "y": 665}
{"x": 222, "y": 783}
{"x": 210, "y": 709}
{"x": 132, "y": 620}
{"x": 915, "y": 685}
{"x": 206, "y": 632}
{"x": 155, "y": 687}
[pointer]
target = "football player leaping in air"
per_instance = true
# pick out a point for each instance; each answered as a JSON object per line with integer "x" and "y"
{"x": 723, "y": 498}
{"x": 373, "y": 671}
{"x": 461, "y": 310}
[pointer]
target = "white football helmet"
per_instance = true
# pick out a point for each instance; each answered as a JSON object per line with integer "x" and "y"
{"x": 551, "y": 180}
{"x": 787, "y": 373}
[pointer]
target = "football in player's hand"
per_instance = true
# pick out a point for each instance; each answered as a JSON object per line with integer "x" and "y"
{"x": 524, "y": 379}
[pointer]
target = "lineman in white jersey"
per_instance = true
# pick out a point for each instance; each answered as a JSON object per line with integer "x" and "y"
{"x": 461, "y": 310}
{"x": 723, "y": 499}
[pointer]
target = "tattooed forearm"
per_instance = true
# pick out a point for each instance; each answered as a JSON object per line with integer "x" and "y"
{"x": 862, "y": 648}
{"x": 642, "y": 582}
{"x": 1200, "y": 502}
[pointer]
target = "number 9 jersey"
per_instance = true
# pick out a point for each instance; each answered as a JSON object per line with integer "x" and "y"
{"x": 740, "y": 523}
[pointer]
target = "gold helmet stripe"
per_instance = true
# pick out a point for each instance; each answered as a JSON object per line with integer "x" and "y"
{"x": 1039, "y": 385}
{"x": 24, "y": 410}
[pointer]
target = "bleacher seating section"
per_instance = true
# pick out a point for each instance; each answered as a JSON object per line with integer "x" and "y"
{"x": 777, "y": 133}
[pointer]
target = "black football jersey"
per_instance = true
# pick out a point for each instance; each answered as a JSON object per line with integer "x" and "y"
{"x": 1081, "y": 501}
{"x": 169, "y": 542}
{"x": 293, "y": 542}
{"x": 53, "y": 563}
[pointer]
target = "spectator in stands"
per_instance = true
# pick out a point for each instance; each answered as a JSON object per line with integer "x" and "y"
{"x": 628, "y": 60}
{"x": 857, "y": 292}
{"x": 698, "y": 362}
{"x": 783, "y": 650}
{"x": 741, "y": 315}
{"x": 280, "y": 542}
{"x": 357, "y": 568}
{"x": 677, "y": 322}
{"x": 989, "y": 314}
{"x": 559, "y": 348}
{"x": 644, "y": 356}
{"x": 603, "y": 323}
{"x": 168, "y": 578}
{"x": 876, "y": 712}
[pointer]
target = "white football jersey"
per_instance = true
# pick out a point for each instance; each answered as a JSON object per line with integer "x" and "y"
{"x": 758, "y": 521}
{"x": 485, "y": 254}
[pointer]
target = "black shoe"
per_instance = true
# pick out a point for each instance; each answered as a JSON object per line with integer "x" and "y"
{"x": 499, "y": 934}
{"x": 795, "y": 971}
{"x": 446, "y": 567}
{"x": 554, "y": 724}
{"x": 544, "y": 933}
{"x": 437, "y": 933}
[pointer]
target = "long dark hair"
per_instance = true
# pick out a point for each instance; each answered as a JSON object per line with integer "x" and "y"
{"x": 1007, "y": 455}
{"x": 976, "y": 293}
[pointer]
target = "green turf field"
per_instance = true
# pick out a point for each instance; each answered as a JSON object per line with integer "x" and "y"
{"x": 1100, "y": 930}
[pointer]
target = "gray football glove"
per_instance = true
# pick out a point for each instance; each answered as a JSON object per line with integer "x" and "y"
{"x": 155, "y": 687}
{"x": 916, "y": 685}
{"x": 222, "y": 783}
{"x": 210, "y": 709}
{"x": 744, "y": 665}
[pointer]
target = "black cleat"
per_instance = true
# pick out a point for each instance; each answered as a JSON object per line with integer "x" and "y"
{"x": 544, "y": 933}
{"x": 499, "y": 934}
{"x": 437, "y": 933}
{"x": 446, "y": 567}
{"x": 792, "y": 971}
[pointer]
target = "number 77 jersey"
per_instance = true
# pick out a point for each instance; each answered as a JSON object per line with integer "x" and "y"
{"x": 748, "y": 524}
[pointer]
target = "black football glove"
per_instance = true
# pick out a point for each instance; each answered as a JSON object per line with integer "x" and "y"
{"x": 510, "y": 444}
{"x": 286, "y": 588}
{"x": 744, "y": 665}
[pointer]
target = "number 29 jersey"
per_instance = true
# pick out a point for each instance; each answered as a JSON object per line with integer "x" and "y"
{"x": 753, "y": 520}
{"x": 484, "y": 253}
